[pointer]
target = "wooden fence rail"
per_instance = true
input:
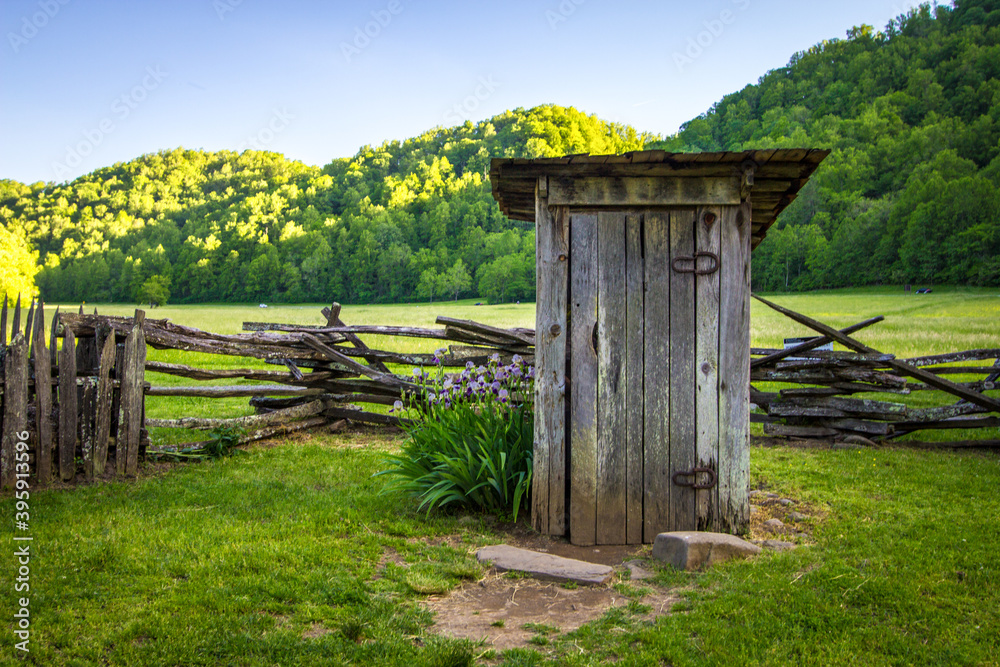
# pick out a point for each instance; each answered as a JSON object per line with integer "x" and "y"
{"x": 82, "y": 403}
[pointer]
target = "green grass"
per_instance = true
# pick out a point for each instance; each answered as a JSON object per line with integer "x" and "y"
{"x": 281, "y": 556}
{"x": 290, "y": 555}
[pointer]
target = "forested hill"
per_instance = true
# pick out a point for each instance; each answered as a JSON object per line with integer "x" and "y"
{"x": 911, "y": 192}
{"x": 402, "y": 221}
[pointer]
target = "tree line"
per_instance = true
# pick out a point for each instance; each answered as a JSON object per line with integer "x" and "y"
{"x": 910, "y": 193}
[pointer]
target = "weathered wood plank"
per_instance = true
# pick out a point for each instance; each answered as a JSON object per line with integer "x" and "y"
{"x": 683, "y": 430}
{"x": 218, "y": 374}
{"x": 707, "y": 300}
{"x": 3, "y": 322}
{"x": 15, "y": 412}
{"x": 656, "y": 388}
{"x": 907, "y": 369}
{"x": 43, "y": 400}
{"x": 811, "y": 344}
{"x": 333, "y": 320}
{"x": 222, "y": 391}
{"x": 276, "y": 417}
{"x": 15, "y": 325}
{"x": 67, "y": 407}
{"x": 643, "y": 191}
{"x": 88, "y": 405}
{"x": 611, "y": 379}
{"x": 132, "y": 385}
{"x": 734, "y": 370}
{"x": 103, "y": 407}
{"x": 584, "y": 277}
{"x": 634, "y": 376}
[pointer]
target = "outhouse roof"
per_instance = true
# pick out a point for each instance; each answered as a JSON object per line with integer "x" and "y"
{"x": 779, "y": 174}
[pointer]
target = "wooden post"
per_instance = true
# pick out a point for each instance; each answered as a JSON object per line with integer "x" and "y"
{"x": 548, "y": 510}
{"x": 67, "y": 407}
{"x": 103, "y": 408}
{"x": 130, "y": 421}
{"x": 15, "y": 411}
{"x": 43, "y": 400}
{"x": 87, "y": 404}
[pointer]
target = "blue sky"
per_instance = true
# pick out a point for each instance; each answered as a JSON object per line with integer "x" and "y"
{"x": 87, "y": 83}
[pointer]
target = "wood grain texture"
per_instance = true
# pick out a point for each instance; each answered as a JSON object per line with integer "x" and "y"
{"x": 103, "y": 407}
{"x": 583, "y": 387}
{"x": 552, "y": 263}
{"x": 15, "y": 408}
{"x": 88, "y": 404}
{"x": 67, "y": 407}
{"x": 734, "y": 370}
{"x": 643, "y": 191}
{"x": 707, "y": 239}
{"x": 656, "y": 388}
{"x": 43, "y": 401}
{"x": 133, "y": 397}
{"x": 611, "y": 379}
{"x": 682, "y": 370}
{"x": 634, "y": 376}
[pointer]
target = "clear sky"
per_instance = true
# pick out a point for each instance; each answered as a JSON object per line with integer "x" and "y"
{"x": 87, "y": 83}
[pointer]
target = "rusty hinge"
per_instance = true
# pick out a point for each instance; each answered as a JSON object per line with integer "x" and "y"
{"x": 693, "y": 259}
{"x": 693, "y": 474}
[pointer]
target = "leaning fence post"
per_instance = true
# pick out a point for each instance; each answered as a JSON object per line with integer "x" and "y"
{"x": 87, "y": 426}
{"x": 67, "y": 407}
{"x": 43, "y": 400}
{"x": 15, "y": 407}
{"x": 130, "y": 421}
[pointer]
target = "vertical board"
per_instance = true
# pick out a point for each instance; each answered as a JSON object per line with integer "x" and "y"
{"x": 656, "y": 388}
{"x": 15, "y": 410}
{"x": 43, "y": 400}
{"x": 552, "y": 264}
{"x": 634, "y": 374}
{"x": 682, "y": 363}
{"x": 583, "y": 386}
{"x": 87, "y": 403}
{"x": 67, "y": 407}
{"x": 130, "y": 424}
{"x": 707, "y": 233}
{"x": 611, "y": 384}
{"x": 734, "y": 370}
{"x": 103, "y": 408}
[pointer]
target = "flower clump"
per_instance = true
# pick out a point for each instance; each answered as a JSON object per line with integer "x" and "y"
{"x": 508, "y": 384}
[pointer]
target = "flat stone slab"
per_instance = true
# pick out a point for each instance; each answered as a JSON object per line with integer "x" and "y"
{"x": 544, "y": 566}
{"x": 694, "y": 550}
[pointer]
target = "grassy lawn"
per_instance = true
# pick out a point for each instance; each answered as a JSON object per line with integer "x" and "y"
{"x": 291, "y": 555}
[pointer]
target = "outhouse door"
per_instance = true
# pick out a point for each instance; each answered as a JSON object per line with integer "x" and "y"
{"x": 658, "y": 370}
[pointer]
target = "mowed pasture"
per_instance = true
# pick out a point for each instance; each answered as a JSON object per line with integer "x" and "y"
{"x": 292, "y": 554}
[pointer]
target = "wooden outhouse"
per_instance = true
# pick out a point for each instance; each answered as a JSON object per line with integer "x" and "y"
{"x": 643, "y": 333}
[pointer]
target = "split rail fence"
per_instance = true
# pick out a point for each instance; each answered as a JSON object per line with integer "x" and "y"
{"x": 87, "y": 418}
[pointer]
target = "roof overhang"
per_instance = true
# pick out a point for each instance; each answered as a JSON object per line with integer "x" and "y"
{"x": 777, "y": 175}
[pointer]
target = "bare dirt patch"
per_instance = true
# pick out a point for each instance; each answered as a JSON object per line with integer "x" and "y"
{"x": 496, "y": 609}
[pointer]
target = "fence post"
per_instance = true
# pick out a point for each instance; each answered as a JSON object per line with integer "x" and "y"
{"x": 43, "y": 400}
{"x": 15, "y": 406}
{"x": 67, "y": 406}
{"x": 130, "y": 421}
{"x": 102, "y": 426}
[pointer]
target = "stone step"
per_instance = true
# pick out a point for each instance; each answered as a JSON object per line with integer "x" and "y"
{"x": 544, "y": 566}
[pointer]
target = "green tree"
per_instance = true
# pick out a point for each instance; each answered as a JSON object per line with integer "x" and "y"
{"x": 155, "y": 291}
{"x": 456, "y": 279}
{"x": 18, "y": 266}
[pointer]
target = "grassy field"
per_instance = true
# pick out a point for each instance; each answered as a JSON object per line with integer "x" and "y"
{"x": 290, "y": 554}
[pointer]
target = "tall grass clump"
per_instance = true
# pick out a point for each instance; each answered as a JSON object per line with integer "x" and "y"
{"x": 470, "y": 439}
